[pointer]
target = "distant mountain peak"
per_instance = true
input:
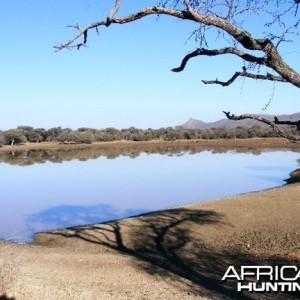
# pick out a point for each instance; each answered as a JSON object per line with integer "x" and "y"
{"x": 193, "y": 123}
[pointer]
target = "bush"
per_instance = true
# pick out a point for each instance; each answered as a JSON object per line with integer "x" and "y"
{"x": 82, "y": 137}
{"x": 14, "y": 136}
{"x": 2, "y": 140}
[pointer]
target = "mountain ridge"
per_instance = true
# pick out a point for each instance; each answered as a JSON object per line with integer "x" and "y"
{"x": 226, "y": 123}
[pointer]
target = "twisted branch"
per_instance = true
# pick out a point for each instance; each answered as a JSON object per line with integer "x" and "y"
{"x": 113, "y": 11}
{"x": 271, "y": 57}
{"x": 227, "y": 50}
{"x": 123, "y": 20}
{"x": 296, "y": 123}
{"x": 291, "y": 137}
{"x": 268, "y": 76}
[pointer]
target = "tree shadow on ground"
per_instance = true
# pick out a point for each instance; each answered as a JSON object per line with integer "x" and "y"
{"x": 169, "y": 245}
{"x": 4, "y": 297}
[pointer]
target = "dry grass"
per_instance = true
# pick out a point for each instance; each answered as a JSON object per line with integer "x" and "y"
{"x": 8, "y": 269}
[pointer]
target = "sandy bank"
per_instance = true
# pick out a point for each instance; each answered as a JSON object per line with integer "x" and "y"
{"x": 255, "y": 142}
{"x": 180, "y": 253}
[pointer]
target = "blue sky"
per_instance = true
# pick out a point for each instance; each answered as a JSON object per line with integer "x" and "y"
{"x": 123, "y": 77}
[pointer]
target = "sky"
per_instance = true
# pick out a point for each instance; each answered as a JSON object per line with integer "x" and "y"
{"x": 123, "y": 77}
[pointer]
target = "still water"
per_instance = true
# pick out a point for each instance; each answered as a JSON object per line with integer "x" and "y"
{"x": 43, "y": 190}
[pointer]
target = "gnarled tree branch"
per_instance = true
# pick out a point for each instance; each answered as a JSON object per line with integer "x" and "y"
{"x": 291, "y": 137}
{"x": 268, "y": 76}
{"x": 123, "y": 20}
{"x": 271, "y": 58}
{"x": 297, "y": 123}
{"x": 227, "y": 50}
{"x": 113, "y": 11}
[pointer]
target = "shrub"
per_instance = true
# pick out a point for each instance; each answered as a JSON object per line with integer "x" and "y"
{"x": 2, "y": 140}
{"x": 14, "y": 136}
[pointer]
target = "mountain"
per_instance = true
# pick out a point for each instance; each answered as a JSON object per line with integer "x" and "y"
{"x": 225, "y": 123}
{"x": 194, "y": 124}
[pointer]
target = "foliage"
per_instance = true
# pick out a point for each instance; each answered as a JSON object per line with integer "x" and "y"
{"x": 90, "y": 135}
{"x": 14, "y": 136}
{"x": 2, "y": 139}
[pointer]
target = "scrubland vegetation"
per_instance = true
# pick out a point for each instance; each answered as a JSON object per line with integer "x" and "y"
{"x": 23, "y": 134}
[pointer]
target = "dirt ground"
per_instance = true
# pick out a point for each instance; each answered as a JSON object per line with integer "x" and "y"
{"x": 181, "y": 253}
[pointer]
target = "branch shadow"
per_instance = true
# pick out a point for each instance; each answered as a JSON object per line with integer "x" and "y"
{"x": 4, "y": 297}
{"x": 169, "y": 245}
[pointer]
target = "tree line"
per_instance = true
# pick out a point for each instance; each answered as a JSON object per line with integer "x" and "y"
{"x": 84, "y": 135}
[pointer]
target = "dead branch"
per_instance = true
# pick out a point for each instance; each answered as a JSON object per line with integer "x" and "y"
{"x": 268, "y": 76}
{"x": 84, "y": 40}
{"x": 124, "y": 20}
{"x": 222, "y": 51}
{"x": 113, "y": 11}
{"x": 296, "y": 123}
{"x": 271, "y": 57}
{"x": 291, "y": 137}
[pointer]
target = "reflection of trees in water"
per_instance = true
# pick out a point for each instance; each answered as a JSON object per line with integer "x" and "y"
{"x": 27, "y": 158}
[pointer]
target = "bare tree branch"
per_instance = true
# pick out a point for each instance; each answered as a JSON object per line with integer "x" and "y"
{"x": 297, "y": 123}
{"x": 271, "y": 57}
{"x": 84, "y": 40}
{"x": 268, "y": 76}
{"x": 215, "y": 52}
{"x": 113, "y": 11}
{"x": 291, "y": 137}
{"x": 123, "y": 20}
{"x": 230, "y": 7}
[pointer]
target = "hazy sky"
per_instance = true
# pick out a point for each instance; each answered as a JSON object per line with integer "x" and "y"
{"x": 123, "y": 77}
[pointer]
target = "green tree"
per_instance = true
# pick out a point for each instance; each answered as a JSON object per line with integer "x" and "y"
{"x": 53, "y": 133}
{"x": 30, "y": 134}
{"x": 34, "y": 137}
{"x": 85, "y": 137}
{"x": 2, "y": 139}
{"x": 42, "y": 132}
{"x": 14, "y": 136}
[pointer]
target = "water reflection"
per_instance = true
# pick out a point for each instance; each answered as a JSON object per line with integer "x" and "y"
{"x": 27, "y": 158}
{"x": 68, "y": 215}
{"x": 273, "y": 174}
{"x": 48, "y": 189}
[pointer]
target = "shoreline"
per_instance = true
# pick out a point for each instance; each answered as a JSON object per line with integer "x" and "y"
{"x": 180, "y": 252}
{"x": 253, "y": 142}
{"x": 208, "y": 201}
